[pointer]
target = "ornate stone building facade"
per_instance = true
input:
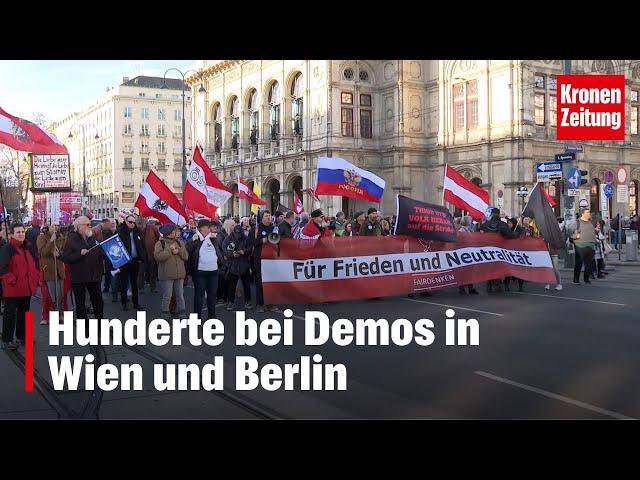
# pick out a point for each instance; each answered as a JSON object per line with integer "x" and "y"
{"x": 270, "y": 120}
{"x": 114, "y": 143}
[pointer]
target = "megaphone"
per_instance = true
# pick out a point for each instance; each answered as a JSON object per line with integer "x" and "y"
{"x": 274, "y": 237}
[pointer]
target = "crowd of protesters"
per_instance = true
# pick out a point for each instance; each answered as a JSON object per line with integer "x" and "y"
{"x": 221, "y": 257}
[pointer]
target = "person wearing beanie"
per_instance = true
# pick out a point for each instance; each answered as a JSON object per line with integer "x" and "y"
{"x": 170, "y": 253}
{"x": 339, "y": 224}
{"x": 316, "y": 228}
{"x": 357, "y": 223}
{"x": 371, "y": 226}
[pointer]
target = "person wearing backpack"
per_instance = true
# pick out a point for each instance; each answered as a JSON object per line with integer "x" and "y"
{"x": 170, "y": 253}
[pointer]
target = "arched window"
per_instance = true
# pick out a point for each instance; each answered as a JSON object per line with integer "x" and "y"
{"x": 274, "y": 110}
{"x": 217, "y": 126}
{"x": 252, "y": 107}
{"x": 594, "y": 197}
{"x": 296, "y": 105}
{"x": 633, "y": 197}
{"x": 235, "y": 122}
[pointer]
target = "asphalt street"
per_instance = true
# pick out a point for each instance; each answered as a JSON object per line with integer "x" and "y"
{"x": 542, "y": 355}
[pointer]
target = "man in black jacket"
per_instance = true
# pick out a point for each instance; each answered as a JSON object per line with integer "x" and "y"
{"x": 258, "y": 237}
{"x": 284, "y": 227}
{"x": 132, "y": 240}
{"x": 85, "y": 267}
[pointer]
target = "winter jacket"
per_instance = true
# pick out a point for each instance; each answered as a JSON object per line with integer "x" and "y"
{"x": 83, "y": 268}
{"x": 256, "y": 243}
{"x": 369, "y": 228}
{"x": 170, "y": 266}
{"x": 125, "y": 236}
{"x": 193, "y": 249}
{"x": 495, "y": 225}
{"x": 237, "y": 265}
{"x": 311, "y": 231}
{"x": 32, "y": 237}
{"x": 151, "y": 236}
{"x": 18, "y": 270}
{"x": 284, "y": 229}
{"x": 47, "y": 260}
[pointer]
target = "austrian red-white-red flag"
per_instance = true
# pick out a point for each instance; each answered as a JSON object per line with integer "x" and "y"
{"x": 297, "y": 204}
{"x": 464, "y": 194}
{"x": 157, "y": 201}
{"x": 246, "y": 193}
{"x": 25, "y": 136}
{"x": 204, "y": 193}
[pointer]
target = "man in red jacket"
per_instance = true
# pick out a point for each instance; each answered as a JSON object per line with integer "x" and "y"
{"x": 316, "y": 228}
{"x": 19, "y": 277}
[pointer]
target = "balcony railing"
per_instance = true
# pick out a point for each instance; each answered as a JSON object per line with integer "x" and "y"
{"x": 251, "y": 153}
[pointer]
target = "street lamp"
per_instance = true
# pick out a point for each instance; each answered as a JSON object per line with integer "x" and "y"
{"x": 184, "y": 132}
{"x": 84, "y": 164}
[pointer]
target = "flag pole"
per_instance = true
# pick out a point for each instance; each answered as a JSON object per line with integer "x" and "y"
{"x": 443, "y": 180}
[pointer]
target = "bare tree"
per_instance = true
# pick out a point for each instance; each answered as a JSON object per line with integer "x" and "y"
{"x": 14, "y": 169}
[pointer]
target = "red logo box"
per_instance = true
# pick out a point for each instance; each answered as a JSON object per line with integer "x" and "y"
{"x": 590, "y": 107}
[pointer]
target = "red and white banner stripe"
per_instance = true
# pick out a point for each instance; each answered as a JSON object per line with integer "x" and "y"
{"x": 350, "y": 268}
{"x": 464, "y": 194}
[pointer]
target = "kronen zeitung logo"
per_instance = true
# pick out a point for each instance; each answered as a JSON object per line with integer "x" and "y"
{"x": 590, "y": 107}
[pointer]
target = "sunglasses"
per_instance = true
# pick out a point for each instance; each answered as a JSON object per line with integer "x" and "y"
{"x": 131, "y": 223}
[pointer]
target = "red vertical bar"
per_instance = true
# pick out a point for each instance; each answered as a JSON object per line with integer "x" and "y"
{"x": 28, "y": 351}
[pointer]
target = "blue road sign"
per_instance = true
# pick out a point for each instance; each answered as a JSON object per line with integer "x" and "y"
{"x": 549, "y": 167}
{"x": 608, "y": 190}
{"x": 574, "y": 177}
{"x": 565, "y": 157}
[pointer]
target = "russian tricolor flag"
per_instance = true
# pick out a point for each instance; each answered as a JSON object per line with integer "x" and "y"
{"x": 336, "y": 176}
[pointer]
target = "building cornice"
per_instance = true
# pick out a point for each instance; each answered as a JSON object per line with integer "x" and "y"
{"x": 212, "y": 70}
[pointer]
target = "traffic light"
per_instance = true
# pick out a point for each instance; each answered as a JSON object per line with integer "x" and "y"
{"x": 583, "y": 177}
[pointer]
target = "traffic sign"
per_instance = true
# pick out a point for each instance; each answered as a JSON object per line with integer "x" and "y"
{"x": 622, "y": 193}
{"x": 584, "y": 203}
{"x": 608, "y": 176}
{"x": 574, "y": 178}
{"x": 573, "y": 148}
{"x": 565, "y": 157}
{"x": 500, "y": 193}
{"x": 573, "y": 192}
{"x": 522, "y": 191}
{"x": 546, "y": 171}
{"x": 608, "y": 190}
{"x": 621, "y": 174}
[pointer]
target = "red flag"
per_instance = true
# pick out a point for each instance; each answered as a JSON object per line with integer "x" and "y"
{"x": 246, "y": 193}
{"x": 297, "y": 204}
{"x": 25, "y": 136}
{"x": 156, "y": 200}
{"x": 464, "y": 194}
{"x": 204, "y": 193}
